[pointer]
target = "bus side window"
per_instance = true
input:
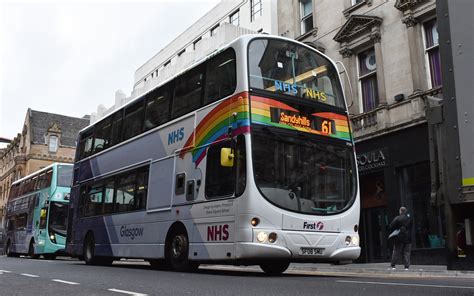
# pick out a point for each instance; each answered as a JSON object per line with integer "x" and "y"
{"x": 116, "y": 130}
{"x": 93, "y": 200}
{"x": 220, "y": 76}
{"x": 157, "y": 108}
{"x": 124, "y": 196}
{"x": 86, "y": 143}
{"x": 102, "y": 135}
{"x": 188, "y": 92}
{"x": 133, "y": 120}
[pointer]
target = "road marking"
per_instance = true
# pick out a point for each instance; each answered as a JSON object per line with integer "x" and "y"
{"x": 127, "y": 292}
{"x": 406, "y": 284}
{"x": 65, "y": 282}
{"x": 5, "y": 271}
{"x": 29, "y": 275}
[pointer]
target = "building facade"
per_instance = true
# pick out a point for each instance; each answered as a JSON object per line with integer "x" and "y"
{"x": 46, "y": 138}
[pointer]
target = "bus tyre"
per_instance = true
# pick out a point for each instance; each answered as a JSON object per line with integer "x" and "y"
{"x": 89, "y": 249}
{"x": 31, "y": 250}
{"x": 275, "y": 267}
{"x": 177, "y": 253}
{"x": 89, "y": 253}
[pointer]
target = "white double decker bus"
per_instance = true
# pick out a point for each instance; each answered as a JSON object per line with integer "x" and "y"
{"x": 244, "y": 158}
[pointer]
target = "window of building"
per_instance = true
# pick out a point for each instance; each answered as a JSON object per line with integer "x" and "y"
{"x": 368, "y": 79}
{"x": 306, "y": 12}
{"x": 53, "y": 143}
{"x": 214, "y": 30}
{"x": 432, "y": 52}
{"x": 255, "y": 9}
{"x": 234, "y": 18}
{"x": 196, "y": 42}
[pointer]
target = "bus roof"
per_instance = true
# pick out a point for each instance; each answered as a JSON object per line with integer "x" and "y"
{"x": 40, "y": 171}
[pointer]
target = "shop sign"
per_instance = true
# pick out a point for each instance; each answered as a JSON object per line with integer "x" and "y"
{"x": 372, "y": 160}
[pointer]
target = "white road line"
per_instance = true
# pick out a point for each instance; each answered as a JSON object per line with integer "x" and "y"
{"x": 65, "y": 282}
{"x": 406, "y": 284}
{"x": 4, "y": 271}
{"x": 29, "y": 275}
{"x": 127, "y": 292}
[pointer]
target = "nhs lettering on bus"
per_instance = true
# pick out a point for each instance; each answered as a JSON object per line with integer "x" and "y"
{"x": 286, "y": 87}
{"x": 218, "y": 232}
{"x": 176, "y": 136}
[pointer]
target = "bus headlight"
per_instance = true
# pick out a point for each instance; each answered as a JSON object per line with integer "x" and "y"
{"x": 58, "y": 195}
{"x": 355, "y": 240}
{"x": 272, "y": 237}
{"x": 52, "y": 237}
{"x": 262, "y": 236}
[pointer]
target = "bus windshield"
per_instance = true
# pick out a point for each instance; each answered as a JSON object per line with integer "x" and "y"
{"x": 64, "y": 176}
{"x": 284, "y": 67}
{"x": 301, "y": 173}
{"x": 58, "y": 217}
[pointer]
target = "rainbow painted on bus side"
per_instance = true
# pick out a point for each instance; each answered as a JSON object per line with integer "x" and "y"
{"x": 261, "y": 108}
{"x": 233, "y": 113}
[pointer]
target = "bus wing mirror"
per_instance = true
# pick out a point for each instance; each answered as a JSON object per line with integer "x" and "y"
{"x": 227, "y": 157}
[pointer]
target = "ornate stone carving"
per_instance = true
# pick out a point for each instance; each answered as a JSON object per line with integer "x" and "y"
{"x": 346, "y": 52}
{"x": 403, "y": 5}
{"x": 409, "y": 21}
{"x": 375, "y": 37}
{"x": 355, "y": 26}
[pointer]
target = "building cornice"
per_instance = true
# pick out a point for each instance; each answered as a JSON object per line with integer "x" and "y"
{"x": 356, "y": 26}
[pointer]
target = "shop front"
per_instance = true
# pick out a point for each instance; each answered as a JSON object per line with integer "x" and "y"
{"x": 394, "y": 171}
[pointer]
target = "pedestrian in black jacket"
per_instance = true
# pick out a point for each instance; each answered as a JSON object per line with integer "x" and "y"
{"x": 402, "y": 244}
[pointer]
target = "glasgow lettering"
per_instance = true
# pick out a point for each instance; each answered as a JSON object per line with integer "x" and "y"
{"x": 131, "y": 232}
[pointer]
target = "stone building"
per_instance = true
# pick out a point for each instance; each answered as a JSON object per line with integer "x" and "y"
{"x": 45, "y": 138}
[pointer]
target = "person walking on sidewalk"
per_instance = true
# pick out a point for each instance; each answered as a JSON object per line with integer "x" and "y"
{"x": 402, "y": 244}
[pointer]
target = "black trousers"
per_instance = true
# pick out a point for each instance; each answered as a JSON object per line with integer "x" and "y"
{"x": 401, "y": 250}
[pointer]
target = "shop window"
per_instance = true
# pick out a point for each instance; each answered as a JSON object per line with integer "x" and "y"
{"x": 368, "y": 79}
{"x": 432, "y": 52}
{"x": 428, "y": 220}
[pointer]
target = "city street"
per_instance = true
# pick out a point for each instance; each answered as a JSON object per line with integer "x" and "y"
{"x": 24, "y": 276}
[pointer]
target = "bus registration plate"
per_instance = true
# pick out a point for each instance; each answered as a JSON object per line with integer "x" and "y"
{"x": 311, "y": 251}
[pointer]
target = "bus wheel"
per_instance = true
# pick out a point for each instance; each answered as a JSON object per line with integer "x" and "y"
{"x": 31, "y": 250}
{"x": 177, "y": 253}
{"x": 275, "y": 267}
{"x": 88, "y": 252}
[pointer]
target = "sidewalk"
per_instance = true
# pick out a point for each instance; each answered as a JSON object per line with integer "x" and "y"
{"x": 382, "y": 269}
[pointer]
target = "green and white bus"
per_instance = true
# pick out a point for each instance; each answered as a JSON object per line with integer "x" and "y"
{"x": 36, "y": 216}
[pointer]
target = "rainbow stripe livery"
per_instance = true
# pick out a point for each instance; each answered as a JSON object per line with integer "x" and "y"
{"x": 231, "y": 114}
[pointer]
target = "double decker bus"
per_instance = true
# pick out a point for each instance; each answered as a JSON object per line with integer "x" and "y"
{"x": 244, "y": 158}
{"x": 36, "y": 213}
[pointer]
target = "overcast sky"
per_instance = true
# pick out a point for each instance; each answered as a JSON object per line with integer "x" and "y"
{"x": 67, "y": 57}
